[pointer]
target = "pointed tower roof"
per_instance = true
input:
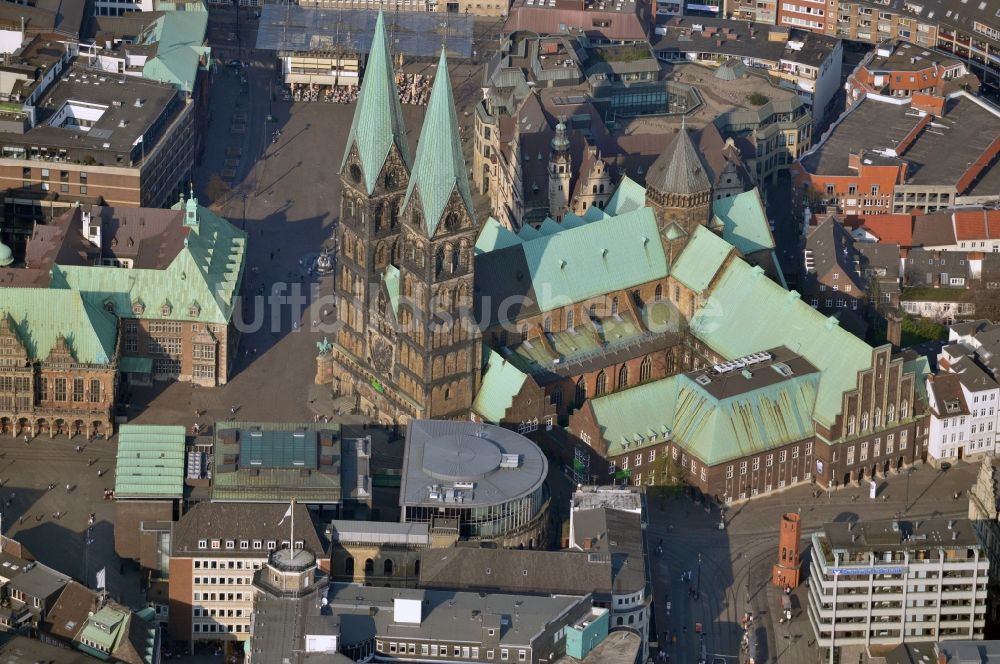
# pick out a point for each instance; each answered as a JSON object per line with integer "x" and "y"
{"x": 439, "y": 167}
{"x": 378, "y": 118}
{"x": 679, "y": 169}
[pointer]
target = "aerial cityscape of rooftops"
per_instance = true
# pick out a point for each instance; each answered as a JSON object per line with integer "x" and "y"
{"x": 500, "y": 331}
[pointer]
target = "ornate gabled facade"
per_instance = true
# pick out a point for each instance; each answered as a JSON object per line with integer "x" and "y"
{"x": 58, "y": 373}
{"x": 409, "y": 346}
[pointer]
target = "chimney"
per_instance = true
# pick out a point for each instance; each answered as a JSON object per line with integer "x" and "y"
{"x": 894, "y": 329}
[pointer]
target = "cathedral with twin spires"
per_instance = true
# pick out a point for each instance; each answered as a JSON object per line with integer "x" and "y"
{"x": 408, "y": 346}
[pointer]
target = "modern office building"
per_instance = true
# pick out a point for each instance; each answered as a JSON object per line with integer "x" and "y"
{"x": 887, "y": 582}
{"x": 491, "y": 479}
{"x": 94, "y": 136}
{"x": 215, "y": 549}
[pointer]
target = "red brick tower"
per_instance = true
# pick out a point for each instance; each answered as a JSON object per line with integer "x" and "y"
{"x": 786, "y": 572}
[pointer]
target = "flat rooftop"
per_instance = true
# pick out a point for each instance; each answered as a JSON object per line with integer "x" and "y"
{"x": 613, "y": 6}
{"x": 889, "y": 535}
{"x": 762, "y": 41}
{"x": 268, "y": 462}
{"x": 940, "y": 155}
{"x": 620, "y": 647}
{"x": 761, "y": 370}
{"x": 364, "y": 611}
{"x": 471, "y": 465}
{"x": 99, "y": 115}
{"x": 944, "y": 155}
{"x": 909, "y": 57}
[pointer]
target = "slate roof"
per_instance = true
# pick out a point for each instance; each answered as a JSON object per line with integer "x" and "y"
{"x": 515, "y": 571}
{"x": 151, "y": 461}
{"x": 40, "y": 581}
{"x": 40, "y": 317}
{"x": 378, "y": 118}
{"x": 618, "y": 536}
{"x": 446, "y": 614}
{"x": 24, "y": 650}
{"x": 679, "y": 169}
{"x": 236, "y": 521}
{"x": 68, "y": 615}
{"x": 206, "y": 274}
{"x": 946, "y": 388}
{"x": 439, "y": 169}
{"x": 933, "y": 230}
{"x": 832, "y": 246}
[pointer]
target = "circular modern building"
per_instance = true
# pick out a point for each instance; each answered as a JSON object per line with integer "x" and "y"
{"x": 487, "y": 481}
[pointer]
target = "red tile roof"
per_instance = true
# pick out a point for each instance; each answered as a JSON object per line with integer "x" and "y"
{"x": 891, "y": 228}
{"x": 977, "y": 224}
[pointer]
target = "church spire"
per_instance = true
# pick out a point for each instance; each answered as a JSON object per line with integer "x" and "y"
{"x": 439, "y": 168}
{"x": 378, "y": 117}
{"x": 679, "y": 169}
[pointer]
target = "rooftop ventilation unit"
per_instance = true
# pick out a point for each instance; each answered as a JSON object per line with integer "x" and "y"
{"x": 510, "y": 461}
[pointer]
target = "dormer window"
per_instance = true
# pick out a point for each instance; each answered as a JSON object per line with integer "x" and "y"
{"x": 165, "y": 309}
{"x": 138, "y": 307}
{"x": 194, "y": 310}
{"x": 109, "y": 306}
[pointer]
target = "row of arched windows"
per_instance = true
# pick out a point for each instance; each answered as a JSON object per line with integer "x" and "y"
{"x": 388, "y": 567}
{"x": 601, "y": 382}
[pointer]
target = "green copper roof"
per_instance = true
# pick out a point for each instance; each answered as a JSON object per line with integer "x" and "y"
{"x": 40, "y": 316}
{"x": 712, "y": 429}
{"x": 629, "y": 196}
{"x": 277, "y": 462}
{"x": 180, "y": 39}
{"x": 200, "y": 284}
{"x": 106, "y": 629}
{"x": 641, "y": 415}
{"x": 501, "y": 383}
{"x": 439, "y": 169}
{"x": 378, "y": 117}
{"x": 719, "y": 430}
{"x": 495, "y": 235}
{"x": 601, "y": 257}
{"x": 747, "y": 312}
{"x": 744, "y": 222}
{"x": 702, "y": 257}
{"x": 150, "y": 461}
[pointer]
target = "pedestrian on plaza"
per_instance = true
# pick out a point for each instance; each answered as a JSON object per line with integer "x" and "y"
{"x": 67, "y": 488}
{"x": 100, "y": 473}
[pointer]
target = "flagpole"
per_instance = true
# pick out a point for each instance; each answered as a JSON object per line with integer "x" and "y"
{"x": 291, "y": 541}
